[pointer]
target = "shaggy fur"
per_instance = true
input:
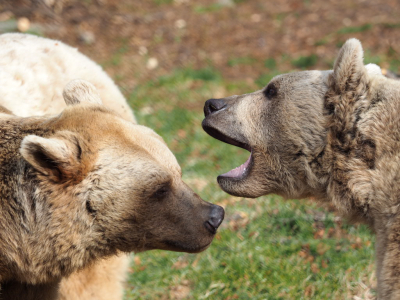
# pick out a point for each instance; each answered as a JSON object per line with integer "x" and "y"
{"x": 333, "y": 135}
{"x": 33, "y": 73}
{"x": 37, "y": 69}
{"x": 84, "y": 185}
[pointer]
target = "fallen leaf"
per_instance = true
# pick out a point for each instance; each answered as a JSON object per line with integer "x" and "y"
{"x": 319, "y": 234}
{"x": 322, "y": 248}
{"x": 238, "y": 220}
{"x": 181, "y": 133}
{"x": 309, "y": 291}
{"x": 314, "y": 268}
{"x": 179, "y": 292}
{"x": 180, "y": 264}
{"x": 241, "y": 237}
{"x": 324, "y": 264}
{"x": 303, "y": 253}
{"x": 196, "y": 261}
{"x": 137, "y": 260}
{"x": 310, "y": 258}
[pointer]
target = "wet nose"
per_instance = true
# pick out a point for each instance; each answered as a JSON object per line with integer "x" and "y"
{"x": 215, "y": 219}
{"x": 213, "y": 105}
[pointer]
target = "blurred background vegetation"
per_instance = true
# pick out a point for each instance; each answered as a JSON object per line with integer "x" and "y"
{"x": 168, "y": 57}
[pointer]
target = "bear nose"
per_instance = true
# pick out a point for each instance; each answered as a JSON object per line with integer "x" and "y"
{"x": 213, "y": 105}
{"x": 215, "y": 219}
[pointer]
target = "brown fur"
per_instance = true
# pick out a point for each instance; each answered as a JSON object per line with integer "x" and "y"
{"x": 32, "y": 85}
{"x": 331, "y": 135}
{"x": 82, "y": 186}
{"x": 102, "y": 279}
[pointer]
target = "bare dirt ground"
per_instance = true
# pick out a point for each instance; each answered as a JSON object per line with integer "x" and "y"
{"x": 152, "y": 37}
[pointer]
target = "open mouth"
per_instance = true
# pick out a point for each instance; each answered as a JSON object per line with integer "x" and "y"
{"x": 243, "y": 170}
{"x": 240, "y": 171}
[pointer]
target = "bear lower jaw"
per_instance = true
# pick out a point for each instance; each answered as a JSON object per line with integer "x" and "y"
{"x": 180, "y": 247}
{"x": 240, "y": 172}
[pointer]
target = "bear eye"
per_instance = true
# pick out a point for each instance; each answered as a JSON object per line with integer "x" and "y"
{"x": 161, "y": 192}
{"x": 271, "y": 91}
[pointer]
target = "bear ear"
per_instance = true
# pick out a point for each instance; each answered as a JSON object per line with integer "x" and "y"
{"x": 349, "y": 67}
{"x": 56, "y": 158}
{"x": 4, "y": 110}
{"x": 78, "y": 90}
{"x": 373, "y": 69}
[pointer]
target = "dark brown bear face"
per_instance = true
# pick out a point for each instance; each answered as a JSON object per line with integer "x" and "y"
{"x": 140, "y": 201}
{"x": 113, "y": 184}
{"x": 285, "y": 127}
{"x": 281, "y": 126}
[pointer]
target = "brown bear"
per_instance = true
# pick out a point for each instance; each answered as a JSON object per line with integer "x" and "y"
{"x": 33, "y": 73}
{"x": 332, "y": 135}
{"x": 84, "y": 185}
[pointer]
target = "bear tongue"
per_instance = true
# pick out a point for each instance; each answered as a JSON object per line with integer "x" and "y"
{"x": 239, "y": 171}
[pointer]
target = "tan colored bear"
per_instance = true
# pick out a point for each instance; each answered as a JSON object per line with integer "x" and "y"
{"x": 86, "y": 184}
{"x": 333, "y": 135}
{"x": 33, "y": 73}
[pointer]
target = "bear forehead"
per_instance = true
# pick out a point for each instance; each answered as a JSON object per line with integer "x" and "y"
{"x": 103, "y": 129}
{"x": 301, "y": 78}
{"x": 150, "y": 145}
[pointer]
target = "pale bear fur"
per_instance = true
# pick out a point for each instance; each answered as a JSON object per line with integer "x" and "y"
{"x": 37, "y": 69}
{"x": 33, "y": 73}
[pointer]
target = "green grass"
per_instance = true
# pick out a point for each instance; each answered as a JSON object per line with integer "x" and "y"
{"x": 391, "y": 25}
{"x": 162, "y": 2}
{"x": 118, "y": 55}
{"x": 267, "y": 248}
{"x": 181, "y": 89}
{"x": 304, "y": 62}
{"x": 395, "y": 65}
{"x": 265, "y": 78}
{"x": 355, "y": 29}
{"x": 321, "y": 42}
{"x": 270, "y": 63}
{"x": 202, "y": 9}
{"x": 372, "y": 59}
{"x": 246, "y": 60}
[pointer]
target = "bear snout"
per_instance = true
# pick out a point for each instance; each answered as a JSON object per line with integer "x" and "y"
{"x": 216, "y": 217}
{"x": 213, "y": 105}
